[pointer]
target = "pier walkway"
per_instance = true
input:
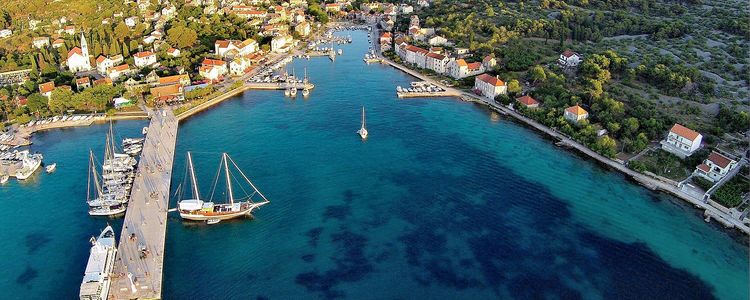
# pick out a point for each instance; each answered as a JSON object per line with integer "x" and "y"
{"x": 140, "y": 259}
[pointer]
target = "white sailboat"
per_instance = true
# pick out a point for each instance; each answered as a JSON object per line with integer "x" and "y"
{"x": 305, "y": 90}
{"x": 97, "y": 277}
{"x": 196, "y": 209}
{"x": 363, "y": 131}
{"x": 101, "y": 203}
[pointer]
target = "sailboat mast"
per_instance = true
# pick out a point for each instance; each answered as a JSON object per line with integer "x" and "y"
{"x": 88, "y": 181}
{"x": 192, "y": 177}
{"x": 363, "y": 117}
{"x": 229, "y": 181}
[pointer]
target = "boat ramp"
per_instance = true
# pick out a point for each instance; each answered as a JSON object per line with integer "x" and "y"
{"x": 138, "y": 271}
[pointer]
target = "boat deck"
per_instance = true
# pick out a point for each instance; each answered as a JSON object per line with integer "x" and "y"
{"x": 145, "y": 222}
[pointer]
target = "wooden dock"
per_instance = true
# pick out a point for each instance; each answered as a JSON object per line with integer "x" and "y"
{"x": 139, "y": 267}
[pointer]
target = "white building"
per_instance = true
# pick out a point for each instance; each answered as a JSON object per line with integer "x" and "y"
{"x": 78, "y": 58}
{"x": 213, "y": 69}
{"x": 281, "y": 43}
{"x": 459, "y": 68}
{"x": 131, "y": 21}
{"x": 40, "y": 42}
{"x": 173, "y": 52}
{"x": 5, "y": 33}
{"x": 682, "y": 141}
{"x": 575, "y": 114}
{"x": 104, "y": 63}
{"x": 489, "y": 86}
{"x": 239, "y": 66}
{"x": 232, "y": 48}
{"x": 119, "y": 71}
{"x": 437, "y": 41}
{"x": 437, "y": 62}
{"x": 405, "y": 8}
{"x": 144, "y": 59}
{"x": 569, "y": 59}
{"x": 715, "y": 167}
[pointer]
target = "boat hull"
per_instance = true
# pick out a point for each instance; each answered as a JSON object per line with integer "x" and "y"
{"x": 225, "y": 216}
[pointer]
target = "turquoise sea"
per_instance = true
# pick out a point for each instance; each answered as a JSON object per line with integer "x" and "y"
{"x": 442, "y": 201}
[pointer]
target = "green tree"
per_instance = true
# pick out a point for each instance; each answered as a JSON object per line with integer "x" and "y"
{"x": 537, "y": 74}
{"x": 181, "y": 36}
{"x": 60, "y": 100}
{"x": 514, "y": 87}
{"x": 607, "y": 146}
{"x": 121, "y": 31}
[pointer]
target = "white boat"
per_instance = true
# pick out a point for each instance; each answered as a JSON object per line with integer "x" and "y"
{"x": 144, "y": 130}
{"x": 97, "y": 277}
{"x": 363, "y": 131}
{"x": 213, "y": 221}
{"x": 50, "y": 168}
{"x": 196, "y": 209}
{"x": 293, "y": 92}
{"x": 4, "y": 179}
{"x": 305, "y": 91}
{"x": 30, "y": 163}
{"x": 287, "y": 92}
{"x": 341, "y": 51}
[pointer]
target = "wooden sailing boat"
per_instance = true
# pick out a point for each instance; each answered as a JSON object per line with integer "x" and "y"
{"x": 196, "y": 209}
{"x": 363, "y": 131}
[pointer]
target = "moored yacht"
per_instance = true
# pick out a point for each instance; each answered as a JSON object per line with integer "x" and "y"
{"x": 97, "y": 277}
{"x": 196, "y": 209}
{"x": 51, "y": 168}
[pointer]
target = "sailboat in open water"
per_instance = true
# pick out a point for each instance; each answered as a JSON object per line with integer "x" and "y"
{"x": 197, "y": 209}
{"x": 363, "y": 131}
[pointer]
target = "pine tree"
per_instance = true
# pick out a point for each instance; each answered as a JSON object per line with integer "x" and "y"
{"x": 34, "y": 68}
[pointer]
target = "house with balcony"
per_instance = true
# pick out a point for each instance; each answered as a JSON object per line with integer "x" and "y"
{"x": 715, "y": 167}
{"x": 682, "y": 141}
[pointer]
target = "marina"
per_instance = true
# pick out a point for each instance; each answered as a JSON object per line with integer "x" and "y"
{"x": 336, "y": 199}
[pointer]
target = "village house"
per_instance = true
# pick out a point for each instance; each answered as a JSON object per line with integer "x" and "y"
{"x": 251, "y": 14}
{"x": 239, "y": 66}
{"x": 437, "y": 41}
{"x": 173, "y": 52}
{"x": 58, "y": 43}
{"x": 167, "y": 94}
{"x": 82, "y": 83}
{"x": 333, "y": 7}
{"x": 131, "y": 21}
{"x": 70, "y": 29}
{"x": 46, "y": 88}
{"x": 406, "y": 8}
{"x": 575, "y": 114}
{"x": 103, "y": 81}
{"x": 232, "y": 48}
{"x": 489, "y": 62}
{"x": 213, "y": 69}
{"x": 459, "y": 68}
{"x": 182, "y": 79}
{"x": 386, "y": 39}
{"x": 489, "y": 86}
{"x": 5, "y": 33}
{"x": 569, "y": 59}
{"x": 104, "y": 63}
{"x": 527, "y": 101}
{"x": 40, "y": 42}
{"x": 302, "y": 29}
{"x": 681, "y": 141}
{"x": 281, "y": 43}
{"x": 413, "y": 55}
{"x": 144, "y": 59}
{"x": 437, "y": 62}
{"x": 116, "y": 72}
{"x": 715, "y": 167}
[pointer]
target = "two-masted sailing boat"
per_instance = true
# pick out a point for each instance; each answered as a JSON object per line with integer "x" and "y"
{"x": 363, "y": 131}
{"x": 197, "y": 209}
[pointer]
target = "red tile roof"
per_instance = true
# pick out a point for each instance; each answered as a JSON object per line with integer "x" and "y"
{"x": 684, "y": 132}
{"x": 143, "y": 54}
{"x": 100, "y": 59}
{"x": 527, "y": 100}
{"x": 82, "y": 80}
{"x": 474, "y": 65}
{"x": 576, "y": 110}
{"x": 213, "y": 62}
{"x": 120, "y": 68}
{"x": 494, "y": 81}
{"x": 568, "y": 53}
{"x": 461, "y": 63}
{"x": 46, "y": 87}
{"x": 435, "y": 56}
{"x": 719, "y": 160}
{"x": 75, "y": 50}
{"x": 704, "y": 167}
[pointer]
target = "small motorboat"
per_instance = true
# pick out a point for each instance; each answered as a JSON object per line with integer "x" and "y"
{"x": 51, "y": 168}
{"x": 213, "y": 221}
{"x": 4, "y": 179}
{"x": 145, "y": 130}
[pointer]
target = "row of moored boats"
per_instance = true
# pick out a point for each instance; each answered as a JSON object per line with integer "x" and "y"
{"x": 56, "y": 119}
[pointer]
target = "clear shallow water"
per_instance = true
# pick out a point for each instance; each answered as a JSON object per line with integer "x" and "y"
{"x": 439, "y": 202}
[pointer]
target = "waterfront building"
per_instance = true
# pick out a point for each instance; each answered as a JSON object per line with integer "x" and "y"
{"x": 489, "y": 86}
{"x": 46, "y": 88}
{"x": 715, "y": 167}
{"x": 681, "y": 141}
{"x": 104, "y": 63}
{"x": 386, "y": 39}
{"x": 167, "y": 94}
{"x": 459, "y": 68}
{"x": 527, "y": 101}
{"x": 239, "y": 66}
{"x": 213, "y": 69}
{"x": 40, "y": 42}
{"x": 82, "y": 83}
{"x": 182, "y": 79}
{"x": 437, "y": 62}
{"x": 144, "y": 59}
{"x": 116, "y": 72}
{"x": 569, "y": 59}
{"x": 575, "y": 114}
{"x": 281, "y": 44}
{"x": 302, "y": 28}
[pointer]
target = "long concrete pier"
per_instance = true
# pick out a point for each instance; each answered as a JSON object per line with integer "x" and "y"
{"x": 140, "y": 258}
